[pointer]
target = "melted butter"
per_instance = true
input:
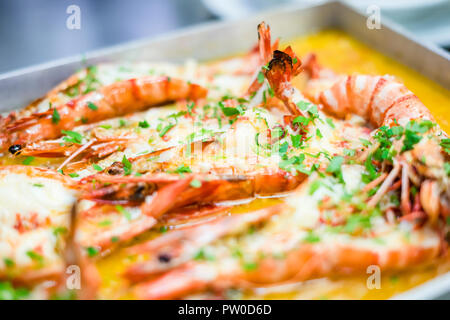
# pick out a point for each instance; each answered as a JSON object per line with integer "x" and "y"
{"x": 52, "y": 163}
{"x": 353, "y": 287}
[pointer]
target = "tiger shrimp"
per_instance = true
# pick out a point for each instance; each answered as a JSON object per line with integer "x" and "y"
{"x": 178, "y": 247}
{"x": 408, "y": 140}
{"x": 113, "y": 100}
{"x": 227, "y": 155}
{"x": 307, "y": 238}
{"x": 114, "y": 209}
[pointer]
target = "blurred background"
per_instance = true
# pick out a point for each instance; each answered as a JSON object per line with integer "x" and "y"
{"x": 35, "y": 31}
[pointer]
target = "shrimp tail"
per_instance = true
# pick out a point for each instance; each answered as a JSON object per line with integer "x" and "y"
{"x": 265, "y": 49}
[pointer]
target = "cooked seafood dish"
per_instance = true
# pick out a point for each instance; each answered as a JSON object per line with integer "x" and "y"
{"x": 264, "y": 175}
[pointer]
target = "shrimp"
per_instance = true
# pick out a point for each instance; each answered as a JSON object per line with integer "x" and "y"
{"x": 179, "y": 246}
{"x": 233, "y": 154}
{"x": 124, "y": 214}
{"x": 219, "y": 187}
{"x": 295, "y": 244}
{"x": 407, "y": 135}
{"x": 132, "y": 205}
{"x": 55, "y": 96}
{"x": 116, "y": 99}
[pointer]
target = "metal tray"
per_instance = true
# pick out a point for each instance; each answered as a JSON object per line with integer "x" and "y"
{"x": 218, "y": 39}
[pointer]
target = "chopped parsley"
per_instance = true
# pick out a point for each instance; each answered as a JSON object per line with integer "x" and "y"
{"x": 35, "y": 257}
{"x": 59, "y": 230}
{"x": 330, "y": 122}
{"x": 72, "y": 137}
{"x": 445, "y": 143}
{"x": 203, "y": 255}
{"x": 349, "y": 152}
{"x": 126, "y": 165}
{"x": 311, "y": 237}
{"x": 301, "y": 120}
{"x": 8, "y": 292}
{"x": 304, "y": 105}
{"x": 55, "y": 116}
{"x": 28, "y": 160}
{"x": 182, "y": 169}
{"x": 260, "y": 77}
{"x": 97, "y": 167}
{"x": 335, "y": 167}
{"x": 296, "y": 140}
{"x": 447, "y": 168}
{"x": 190, "y": 107}
{"x": 9, "y": 263}
{"x": 315, "y": 185}
{"x": 105, "y": 223}
{"x": 250, "y": 266}
{"x": 319, "y": 134}
{"x": 366, "y": 143}
{"x": 124, "y": 212}
{"x": 166, "y": 129}
{"x": 412, "y": 131}
{"x": 372, "y": 173}
{"x": 92, "y": 252}
{"x": 229, "y": 111}
{"x": 357, "y": 221}
{"x": 144, "y": 124}
{"x": 92, "y": 106}
{"x": 122, "y": 123}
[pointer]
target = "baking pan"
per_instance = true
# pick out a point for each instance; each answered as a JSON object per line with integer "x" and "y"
{"x": 217, "y": 39}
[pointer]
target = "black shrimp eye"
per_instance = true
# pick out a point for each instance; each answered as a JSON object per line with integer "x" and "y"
{"x": 15, "y": 149}
{"x": 164, "y": 258}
